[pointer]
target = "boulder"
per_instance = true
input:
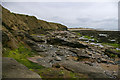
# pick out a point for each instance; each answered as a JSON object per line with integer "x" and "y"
{"x": 12, "y": 69}
{"x": 57, "y": 58}
{"x": 59, "y": 53}
{"x": 81, "y": 56}
{"x": 56, "y": 65}
{"x": 77, "y": 67}
{"x": 89, "y": 63}
{"x": 103, "y": 60}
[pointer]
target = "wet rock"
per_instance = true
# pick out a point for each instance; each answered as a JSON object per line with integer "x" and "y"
{"x": 113, "y": 40}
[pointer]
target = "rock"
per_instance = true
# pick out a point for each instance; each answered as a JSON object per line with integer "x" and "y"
{"x": 5, "y": 38}
{"x": 59, "y": 53}
{"x": 56, "y": 65}
{"x": 108, "y": 52}
{"x": 111, "y": 62}
{"x": 111, "y": 74}
{"x": 57, "y": 58}
{"x": 89, "y": 63}
{"x": 89, "y": 53}
{"x": 117, "y": 62}
{"x": 103, "y": 35}
{"x": 46, "y": 61}
{"x": 81, "y": 53}
{"x": 103, "y": 60}
{"x": 61, "y": 42}
{"x": 12, "y": 69}
{"x": 31, "y": 43}
{"x": 39, "y": 48}
{"x": 38, "y": 38}
{"x": 83, "y": 56}
{"x": 97, "y": 55}
{"x": 77, "y": 67}
{"x": 83, "y": 39}
{"x": 92, "y": 40}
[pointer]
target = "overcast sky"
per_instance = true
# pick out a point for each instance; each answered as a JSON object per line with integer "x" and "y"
{"x": 98, "y": 15}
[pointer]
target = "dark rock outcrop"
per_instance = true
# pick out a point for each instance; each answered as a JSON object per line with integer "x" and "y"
{"x": 58, "y": 41}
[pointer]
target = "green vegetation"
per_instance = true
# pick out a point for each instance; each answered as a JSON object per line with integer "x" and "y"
{"x": 79, "y": 34}
{"x": 112, "y": 44}
{"x": 39, "y": 34}
{"x": 90, "y": 38}
{"x": 21, "y": 55}
{"x": 58, "y": 74}
{"x": 86, "y": 36}
{"x": 113, "y": 55}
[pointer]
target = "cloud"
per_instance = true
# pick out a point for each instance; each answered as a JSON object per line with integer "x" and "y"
{"x": 72, "y": 14}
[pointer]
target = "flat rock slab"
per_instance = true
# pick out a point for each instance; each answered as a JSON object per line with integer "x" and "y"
{"x": 77, "y": 67}
{"x": 12, "y": 69}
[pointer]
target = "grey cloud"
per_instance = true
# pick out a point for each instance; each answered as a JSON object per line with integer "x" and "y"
{"x": 71, "y": 14}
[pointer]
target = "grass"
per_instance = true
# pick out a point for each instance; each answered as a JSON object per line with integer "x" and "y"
{"x": 112, "y": 44}
{"x": 39, "y": 34}
{"x": 79, "y": 34}
{"x": 90, "y": 38}
{"x": 58, "y": 74}
{"x": 20, "y": 54}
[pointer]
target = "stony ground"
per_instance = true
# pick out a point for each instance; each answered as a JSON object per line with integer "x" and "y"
{"x": 68, "y": 51}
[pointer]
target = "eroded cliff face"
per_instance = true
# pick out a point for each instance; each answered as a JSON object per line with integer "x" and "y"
{"x": 16, "y": 27}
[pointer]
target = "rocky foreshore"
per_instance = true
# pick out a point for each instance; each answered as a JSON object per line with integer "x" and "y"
{"x": 65, "y": 49}
{"x": 37, "y": 48}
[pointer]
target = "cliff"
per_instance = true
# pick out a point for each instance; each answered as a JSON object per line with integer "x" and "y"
{"x": 27, "y": 23}
{"x": 15, "y": 27}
